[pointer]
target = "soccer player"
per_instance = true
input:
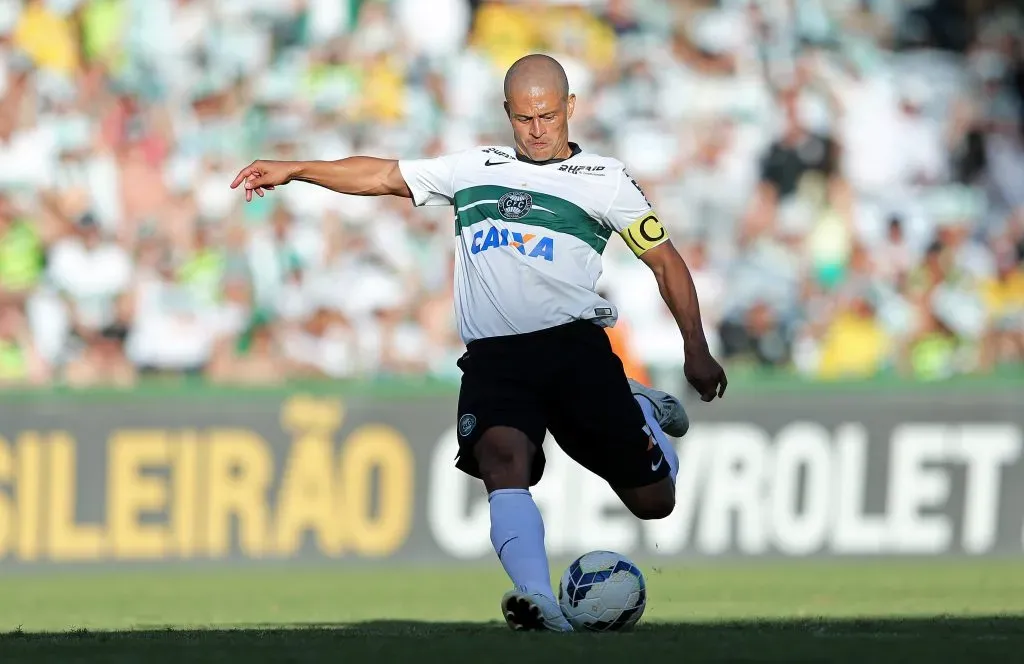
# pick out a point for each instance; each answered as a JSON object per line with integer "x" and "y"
{"x": 531, "y": 223}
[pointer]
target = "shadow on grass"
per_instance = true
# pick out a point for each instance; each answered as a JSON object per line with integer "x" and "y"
{"x": 903, "y": 640}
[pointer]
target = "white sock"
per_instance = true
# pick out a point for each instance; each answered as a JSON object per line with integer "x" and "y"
{"x": 663, "y": 441}
{"x": 517, "y": 533}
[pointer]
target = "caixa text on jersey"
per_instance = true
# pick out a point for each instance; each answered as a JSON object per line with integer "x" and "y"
{"x": 528, "y": 244}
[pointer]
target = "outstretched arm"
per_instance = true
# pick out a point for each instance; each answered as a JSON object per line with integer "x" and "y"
{"x": 358, "y": 176}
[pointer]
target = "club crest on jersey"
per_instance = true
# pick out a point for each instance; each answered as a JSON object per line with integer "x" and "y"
{"x": 528, "y": 244}
{"x": 515, "y": 205}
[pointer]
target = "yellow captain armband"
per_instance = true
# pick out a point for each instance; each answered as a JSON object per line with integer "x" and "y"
{"x": 645, "y": 233}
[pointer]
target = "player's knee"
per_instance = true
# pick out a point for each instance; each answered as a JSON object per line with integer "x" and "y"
{"x": 650, "y": 503}
{"x": 504, "y": 456}
{"x": 652, "y": 510}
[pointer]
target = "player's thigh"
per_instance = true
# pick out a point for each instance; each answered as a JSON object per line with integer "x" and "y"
{"x": 595, "y": 419}
{"x": 500, "y": 424}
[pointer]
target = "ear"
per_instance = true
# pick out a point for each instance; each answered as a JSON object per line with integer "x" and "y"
{"x": 508, "y": 110}
{"x": 570, "y": 106}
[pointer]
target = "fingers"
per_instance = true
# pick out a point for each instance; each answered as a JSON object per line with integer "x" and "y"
{"x": 705, "y": 388}
{"x": 244, "y": 175}
{"x": 250, "y": 188}
{"x": 255, "y": 181}
{"x": 252, "y": 175}
{"x": 252, "y": 185}
{"x": 709, "y": 388}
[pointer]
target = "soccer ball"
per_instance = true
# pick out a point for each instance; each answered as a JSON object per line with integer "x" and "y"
{"x": 602, "y": 591}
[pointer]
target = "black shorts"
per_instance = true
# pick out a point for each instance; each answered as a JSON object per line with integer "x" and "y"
{"x": 565, "y": 380}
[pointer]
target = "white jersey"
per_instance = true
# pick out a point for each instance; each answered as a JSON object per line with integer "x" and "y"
{"x": 530, "y": 235}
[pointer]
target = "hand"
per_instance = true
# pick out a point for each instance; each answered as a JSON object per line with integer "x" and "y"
{"x": 263, "y": 175}
{"x": 705, "y": 374}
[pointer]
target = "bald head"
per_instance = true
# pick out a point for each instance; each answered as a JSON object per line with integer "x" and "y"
{"x": 536, "y": 72}
{"x": 539, "y": 106}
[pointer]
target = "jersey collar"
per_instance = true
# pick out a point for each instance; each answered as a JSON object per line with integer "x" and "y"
{"x": 572, "y": 146}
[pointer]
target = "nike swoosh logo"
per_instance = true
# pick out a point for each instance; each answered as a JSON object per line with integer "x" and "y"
{"x": 655, "y": 466}
{"x": 495, "y": 163}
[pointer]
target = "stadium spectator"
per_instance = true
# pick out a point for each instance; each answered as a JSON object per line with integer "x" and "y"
{"x": 20, "y": 363}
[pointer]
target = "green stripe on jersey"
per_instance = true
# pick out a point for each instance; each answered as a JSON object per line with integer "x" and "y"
{"x": 550, "y": 212}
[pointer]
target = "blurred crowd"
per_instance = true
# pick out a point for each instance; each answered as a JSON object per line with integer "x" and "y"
{"x": 844, "y": 177}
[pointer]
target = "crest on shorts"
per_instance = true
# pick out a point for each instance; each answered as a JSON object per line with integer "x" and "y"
{"x": 515, "y": 205}
{"x": 466, "y": 424}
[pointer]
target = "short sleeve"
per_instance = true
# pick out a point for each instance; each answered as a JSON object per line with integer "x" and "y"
{"x": 633, "y": 217}
{"x": 431, "y": 181}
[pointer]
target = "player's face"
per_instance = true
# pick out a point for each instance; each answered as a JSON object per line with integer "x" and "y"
{"x": 540, "y": 121}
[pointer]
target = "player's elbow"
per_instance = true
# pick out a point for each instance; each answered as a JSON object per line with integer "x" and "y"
{"x": 663, "y": 260}
{"x": 669, "y": 271}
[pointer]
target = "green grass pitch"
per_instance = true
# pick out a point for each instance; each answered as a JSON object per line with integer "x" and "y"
{"x": 907, "y": 611}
